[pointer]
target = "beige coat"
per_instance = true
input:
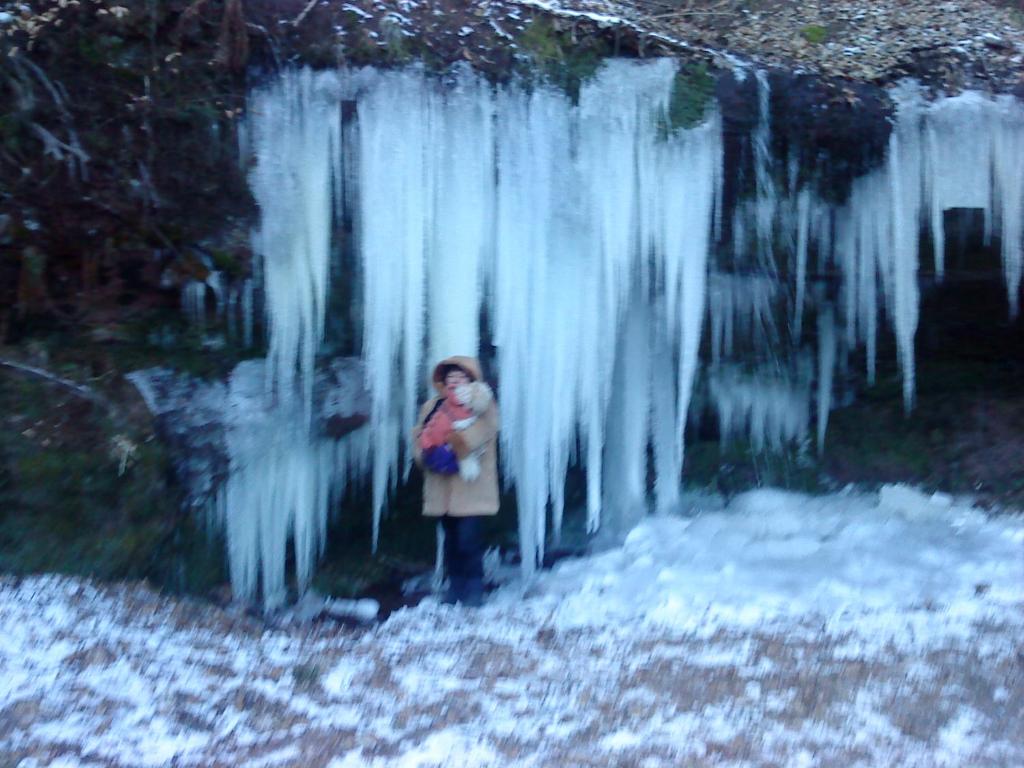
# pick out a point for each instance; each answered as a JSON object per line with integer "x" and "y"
{"x": 451, "y": 494}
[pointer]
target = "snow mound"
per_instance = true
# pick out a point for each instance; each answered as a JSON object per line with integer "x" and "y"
{"x": 771, "y": 555}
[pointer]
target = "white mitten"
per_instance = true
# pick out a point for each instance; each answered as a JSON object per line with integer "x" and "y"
{"x": 464, "y": 393}
{"x": 469, "y": 468}
{"x": 476, "y": 395}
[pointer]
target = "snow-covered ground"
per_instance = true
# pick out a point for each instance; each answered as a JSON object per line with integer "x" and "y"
{"x": 853, "y": 629}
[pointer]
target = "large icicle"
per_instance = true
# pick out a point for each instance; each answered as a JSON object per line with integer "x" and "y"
{"x": 802, "y": 246}
{"x": 395, "y": 222}
{"x": 766, "y": 202}
{"x": 1008, "y": 167}
{"x": 281, "y": 478}
{"x": 690, "y": 184}
{"x": 295, "y": 131}
{"x": 665, "y": 422}
{"x": 537, "y": 327}
{"x": 961, "y": 178}
{"x": 826, "y": 370}
{"x": 906, "y": 182}
{"x": 460, "y": 149}
{"x": 629, "y": 422}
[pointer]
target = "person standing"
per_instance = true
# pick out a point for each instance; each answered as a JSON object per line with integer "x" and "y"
{"x": 455, "y": 443}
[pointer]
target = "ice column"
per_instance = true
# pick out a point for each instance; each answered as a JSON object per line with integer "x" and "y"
{"x": 395, "y": 202}
{"x": 281, "y": 486}
{"x": 905, "y": 180}
{"x": 961, "y": 178}
{"x": 295, "y": 130}
{"x": 461, "y": 154}
{"x": 826, "y": 370}
{"x": 538, "y": 325}
{"x": 281, "y": 478}
{"x": 1008, "y": 167}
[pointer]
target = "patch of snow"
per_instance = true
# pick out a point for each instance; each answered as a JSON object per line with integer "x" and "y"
{"x": 619, "y": 739}
{"x": 499, "y": 31}
{"x": 356, "y": 10}
{"x": 959, "y": 738}
{"x": 362, "y": 610}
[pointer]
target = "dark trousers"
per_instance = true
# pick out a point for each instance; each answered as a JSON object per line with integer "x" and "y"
{"x": 464, "y": 555}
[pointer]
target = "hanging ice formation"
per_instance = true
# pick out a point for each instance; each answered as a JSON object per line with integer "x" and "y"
{"x": 580, "y": 238}
{"x": 962, "y": 152}
{"x": 742, "y": 306}
{"x": 282, "y": 477}
{"x": 282, "y": 486}
{"x": 975, "y": 157}
{"x": 768, "y": 406}
{"x": 556, "y": 249}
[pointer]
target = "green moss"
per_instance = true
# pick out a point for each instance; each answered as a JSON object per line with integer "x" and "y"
{"x": 227, "y": 262}
{"x": 12, "y": 132}
{"x": 397, "y": 47}
{"x": 542, "y": 41}
{"x": 692, "y": 91}
{"x": 99, "y": 49}
{"x": 71, "y": 506}
{"x": 814, "y": 34}
{"x": 558, "y": 59}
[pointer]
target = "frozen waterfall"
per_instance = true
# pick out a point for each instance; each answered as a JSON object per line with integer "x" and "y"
{"x": 282, "y": 478}
{"x": 545, "y": 214}
{"x": 575, "y": 247}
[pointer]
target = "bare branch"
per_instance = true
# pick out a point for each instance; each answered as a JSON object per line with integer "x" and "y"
{"x": 73, "y": 144}
{"x": 79, "y": 389}
{"x": 305, "y": 11}
{"x": 56, "y": 148}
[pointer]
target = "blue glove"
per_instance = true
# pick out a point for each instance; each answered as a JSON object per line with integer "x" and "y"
{"x": 441, "y": 460}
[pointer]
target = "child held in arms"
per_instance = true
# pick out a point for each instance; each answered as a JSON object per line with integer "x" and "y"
{"x": 455, "y": 443}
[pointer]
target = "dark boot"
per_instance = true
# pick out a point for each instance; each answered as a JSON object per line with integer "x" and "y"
{"x": 472, "y": 554}
{"x": 455, "y": 592}
{"x": 463, "y": 552}
{"x": 473, "y": 596}
{"x": 451, "y": 561}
